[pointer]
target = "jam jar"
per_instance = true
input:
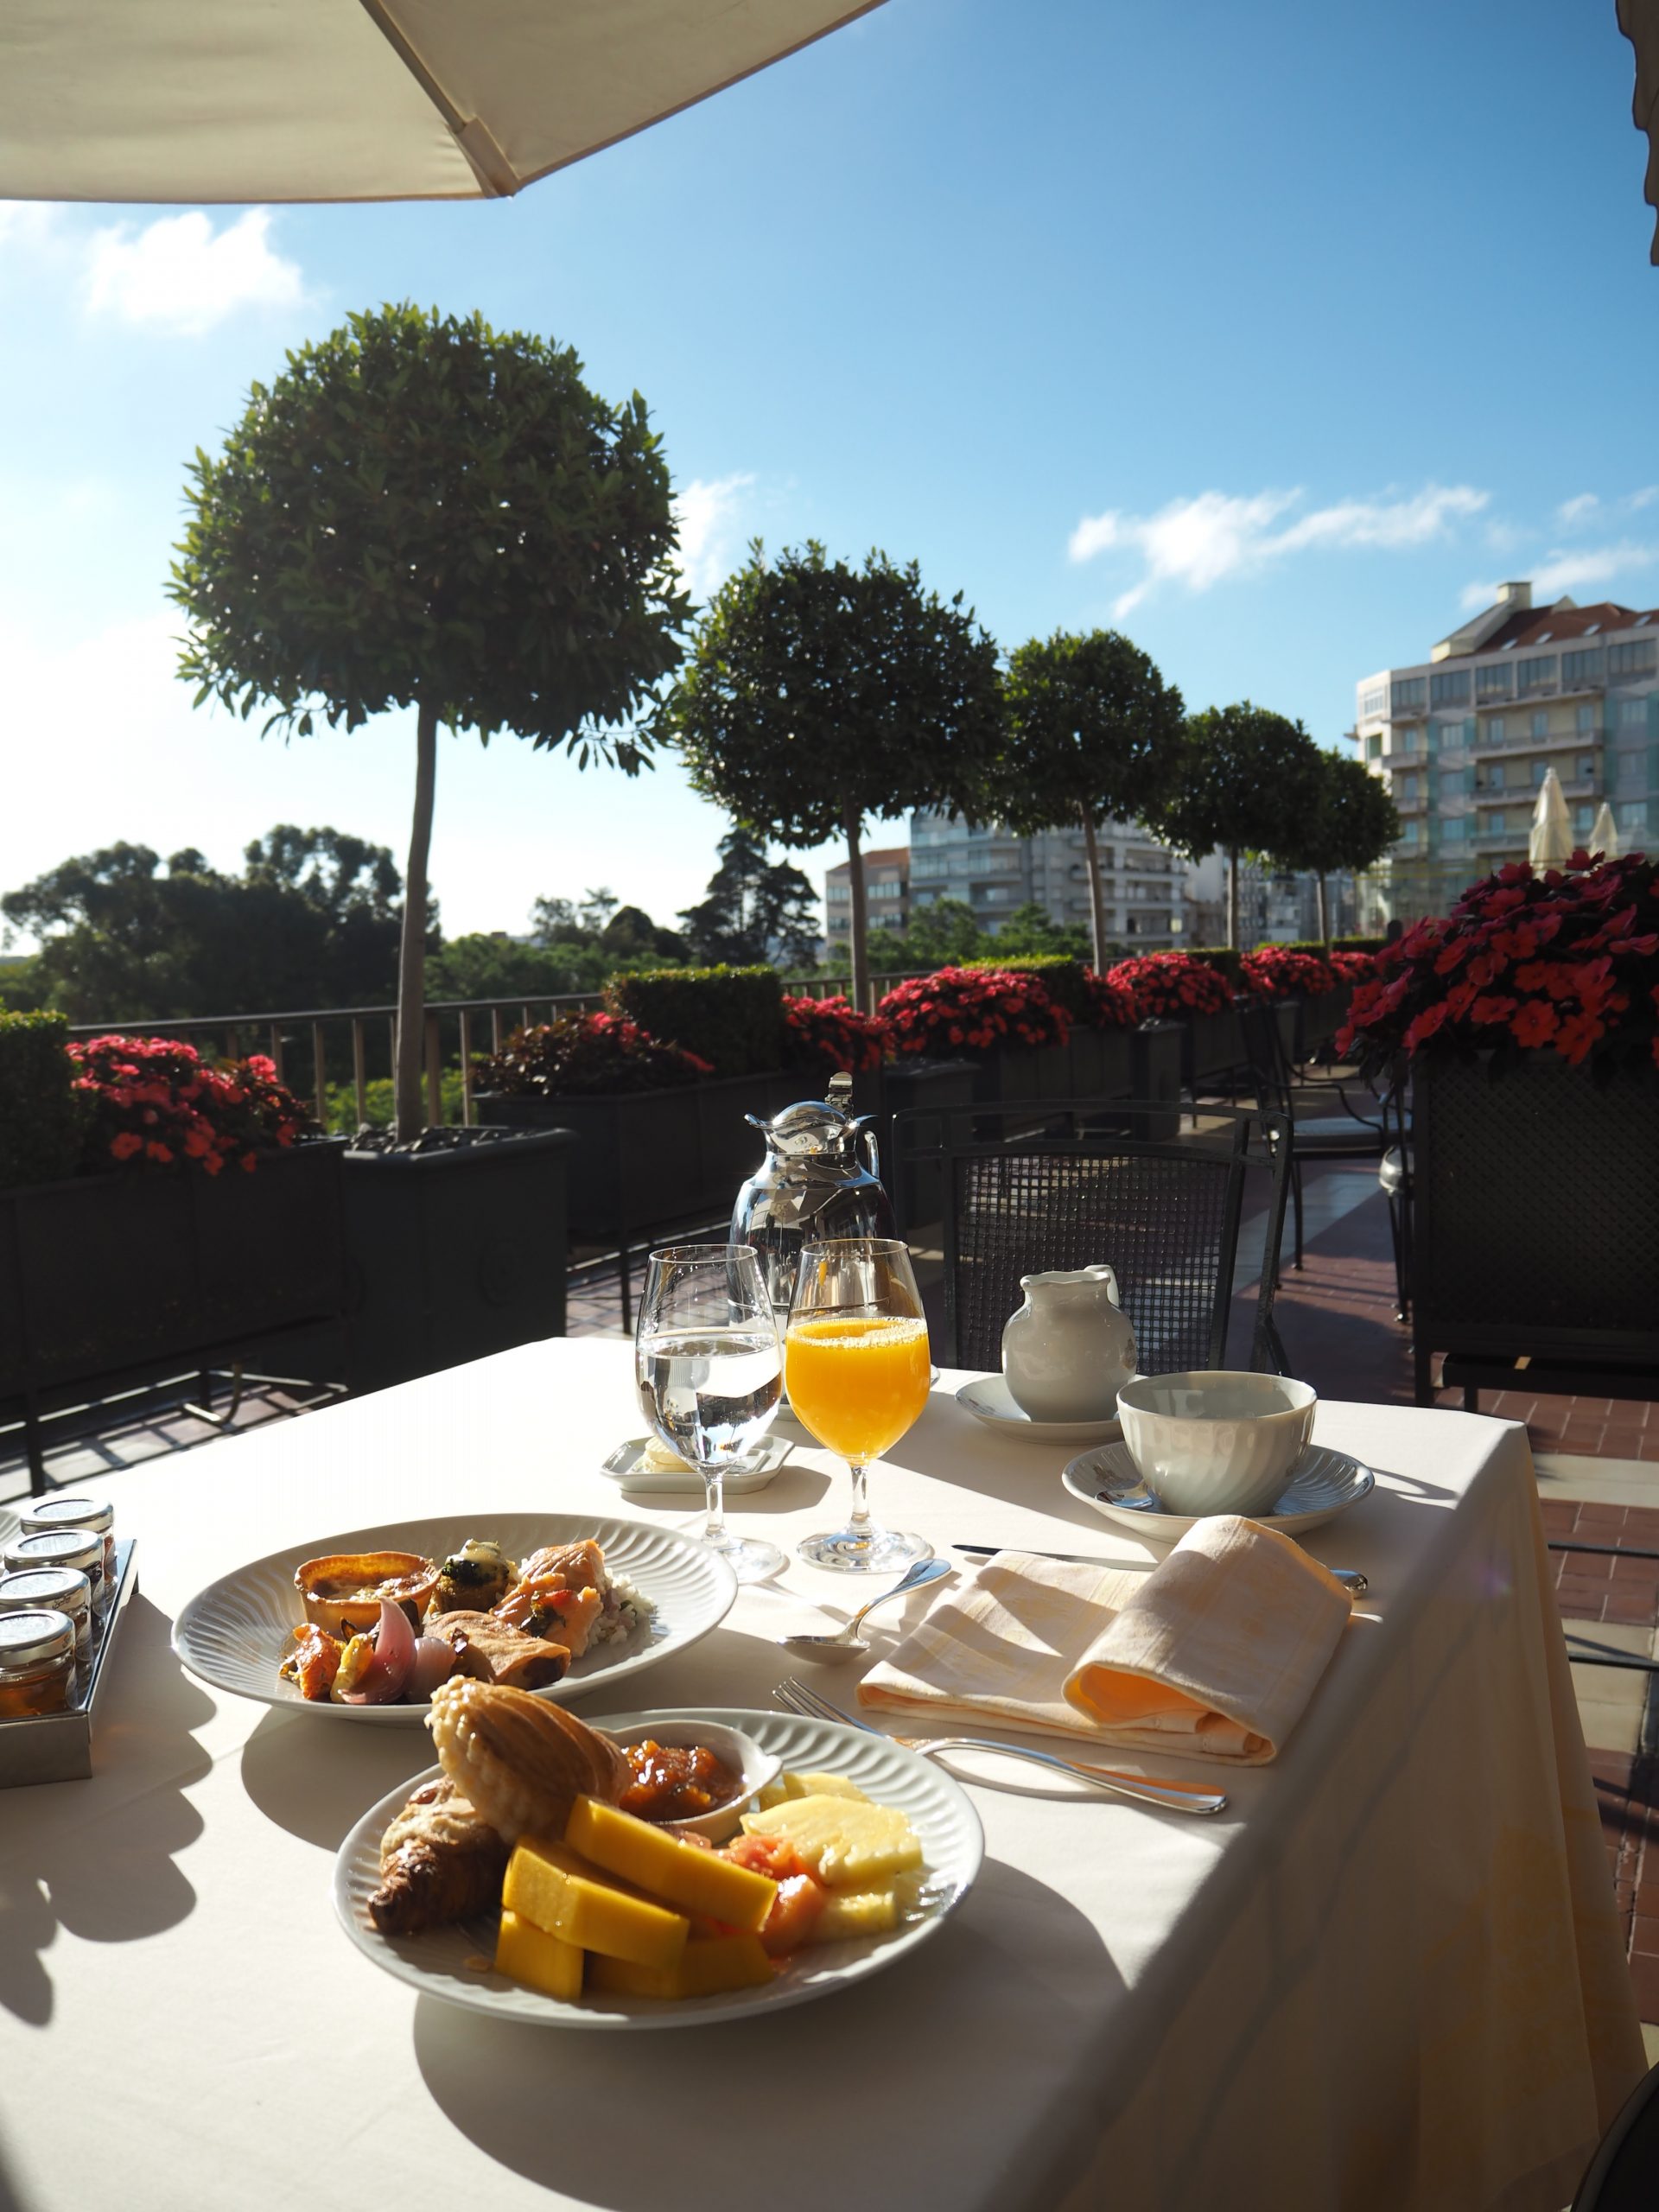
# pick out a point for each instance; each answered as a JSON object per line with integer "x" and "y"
{"x": 82, "y": 1549}
{"x": 37, "y": 1662}
{"x": 58, "y": 1589}
{"x": 75, "y": 1513}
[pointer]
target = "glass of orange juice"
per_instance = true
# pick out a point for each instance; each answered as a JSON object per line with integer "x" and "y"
{"x": 857, "y": 1368}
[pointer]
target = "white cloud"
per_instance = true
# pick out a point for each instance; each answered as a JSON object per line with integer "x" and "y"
{"x": 1645, "y": 497}
{"x": 1563, "y": 571}
{"x": 1578, "y": 508}
{"x": 707, "y": 511}
{"x": 180, "y": 274}
{"x": 1199, "y": 542}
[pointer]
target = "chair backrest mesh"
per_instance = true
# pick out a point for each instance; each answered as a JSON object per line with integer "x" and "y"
{"x": 1166, "y": 1222}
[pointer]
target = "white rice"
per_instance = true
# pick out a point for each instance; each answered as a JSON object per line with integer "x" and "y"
{"x": 626, "y": 1610}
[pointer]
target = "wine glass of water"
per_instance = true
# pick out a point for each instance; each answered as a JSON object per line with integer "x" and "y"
{"x": 710, "y": 1373}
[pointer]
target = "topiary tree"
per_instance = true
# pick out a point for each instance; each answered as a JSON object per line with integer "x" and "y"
{"x": 1246, "y": 779}
{"x": 1094, "y": 734}
{"x": 1353, "y": 825}
{"x": 423, "y": 512}
{"x": 816, "y": 695}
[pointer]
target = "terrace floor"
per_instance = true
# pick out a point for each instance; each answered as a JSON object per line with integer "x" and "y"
{"x": 1598, "y": 1466}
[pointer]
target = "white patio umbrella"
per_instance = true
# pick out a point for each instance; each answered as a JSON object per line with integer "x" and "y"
{"x": 1604, "y": 838}
{"x": 201, "y": 100}
{"x": 1550, "y": 844}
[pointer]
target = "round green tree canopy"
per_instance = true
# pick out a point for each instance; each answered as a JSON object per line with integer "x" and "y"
{"x": 421, "y": 510}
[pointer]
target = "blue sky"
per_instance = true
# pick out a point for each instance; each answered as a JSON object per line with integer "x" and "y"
{"x": 1272, "y": 335}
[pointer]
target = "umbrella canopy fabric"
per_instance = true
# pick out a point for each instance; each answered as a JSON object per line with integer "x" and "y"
{"x": 1604, "y": 838}
{"x": 1550, "y": 844}
{"x": 205, "y": 100}
{"x": 1639, "y": 21}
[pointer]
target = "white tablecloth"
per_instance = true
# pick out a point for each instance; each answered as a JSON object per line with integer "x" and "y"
{"x": 1388, "y": 1977}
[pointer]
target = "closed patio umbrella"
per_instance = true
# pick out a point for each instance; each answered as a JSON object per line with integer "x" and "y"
{"x": 1550, "y": 844}
{"x": 1604, "y": 838}
{"x": 203, "y": 100}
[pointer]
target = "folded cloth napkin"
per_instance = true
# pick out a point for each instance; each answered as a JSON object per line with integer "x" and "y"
{"x": 1217, "y": 1651}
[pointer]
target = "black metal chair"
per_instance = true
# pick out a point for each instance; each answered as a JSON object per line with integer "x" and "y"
{"x": 1351, "y": 1134}
{"x": 1623, "y": 2175}
{"x": 1039, "y": 1185}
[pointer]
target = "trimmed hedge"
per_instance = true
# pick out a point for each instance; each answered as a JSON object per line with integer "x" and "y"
{"x": 731, "y": 1017}
{"x": 43, "y": 1119}
{"x": 1227, "y": 957}
{"x": 1357, "y": 944}
{"x": 1061, "y": 975}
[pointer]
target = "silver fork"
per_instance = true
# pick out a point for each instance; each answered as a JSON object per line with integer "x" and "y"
{"x": 1168, "y": 1797}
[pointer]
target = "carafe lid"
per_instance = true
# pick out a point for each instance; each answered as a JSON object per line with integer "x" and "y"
{"x": 815, "y": 1127}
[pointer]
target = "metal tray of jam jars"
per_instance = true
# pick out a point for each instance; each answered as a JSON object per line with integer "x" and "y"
{"x": 57, "y": 1746}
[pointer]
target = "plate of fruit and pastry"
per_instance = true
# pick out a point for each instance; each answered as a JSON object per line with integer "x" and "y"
{"x": 366, "y": 1625}
{"x": 544, "y": 1870}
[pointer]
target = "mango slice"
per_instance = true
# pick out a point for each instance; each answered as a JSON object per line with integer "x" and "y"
{"x": 664, "y": 1867}
{"x": 548, "y": 1884}
{"x": 708, "y": 1965}
{"x": 530, "y": 1954}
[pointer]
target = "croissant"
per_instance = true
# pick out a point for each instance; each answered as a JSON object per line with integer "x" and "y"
{"x": 521, "y": 1761}
{"x": 439, "y": 1862}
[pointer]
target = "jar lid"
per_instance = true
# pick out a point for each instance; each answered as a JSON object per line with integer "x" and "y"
{"x": 82, "y": 1548}
{"x": 65, "y": 1588}
{"x": 67, "y": 1513}
{"x": 28, "y": 1638}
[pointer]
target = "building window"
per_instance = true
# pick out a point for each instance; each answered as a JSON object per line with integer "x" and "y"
{"x": 1540, "y": 724}
{"x": 1585, "y": 719}
{"x": 1632, "y": 814}
{"x": 1492, "y": 684}
{"x": 1529, "y": 674}
{"x": 1495, "y": 776}
{"x": 1540, "y": 769}
{"x": 1495, "y": 825}
{"x": 1451, "y": 691}
{"x": 1405, "y": 741}
{"x": 1452, "y": 784}
{"x": 1495, "y": 729}
{"x": 1587, "y": 766}
{"x": 1409, "y": 695}
{"x": 1637, "y": 659}
{"x": 1632, "y": 713}
{"x": 1577, "y": 669}
{"x": 1408, "y": 832}
{"x": 1455, "y": 828}
{"x": 1374, "y": 701}
{"x": 1583, "y": 818}
{"x": 1408, "y": 785}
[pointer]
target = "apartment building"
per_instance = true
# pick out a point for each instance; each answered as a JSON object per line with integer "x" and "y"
{"x": 993, "y": 872}
{"x": 1466, "y": 737}
{"x": 886, "y": 893}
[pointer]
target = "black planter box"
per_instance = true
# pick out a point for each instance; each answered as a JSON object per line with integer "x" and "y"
{"x": 1535, "y": 1212}
{"x": 933, "y": 1088}
{"x": 1214, "y": 1050}
{"x": 110, "y": 1279}
{"x": 647, "y": 1158}
{"x": 454, "y": 1253}
{"x": 1102, "y": 1062}
{"x": 1025, "y": 1071}
{"x": 1317, "y": 1021}
{"x": 1156, "y": 1049}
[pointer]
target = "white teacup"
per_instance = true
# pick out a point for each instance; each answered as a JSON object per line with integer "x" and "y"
{"x": 1217, "y": 1441}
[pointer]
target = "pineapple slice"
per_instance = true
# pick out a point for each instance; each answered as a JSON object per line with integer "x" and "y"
{"x": 848, "y": 1843}
{"x": 856, "y": 1912}
{"x": 820, "y": 1785}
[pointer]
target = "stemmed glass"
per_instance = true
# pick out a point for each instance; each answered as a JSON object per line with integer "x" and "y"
{"x": 856, "y": 1356}
{"x": 710, "y": 1375}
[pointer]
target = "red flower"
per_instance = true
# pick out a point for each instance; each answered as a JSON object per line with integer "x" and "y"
{"x": 1425, "y": 1024}
{"x": 126, "y": 1144}
{"x": 1535, "y": 1023}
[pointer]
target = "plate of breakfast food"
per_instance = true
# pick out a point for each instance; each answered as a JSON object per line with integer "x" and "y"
{"x": 366, "y": 1625}
{"x": 653, "y": 1870}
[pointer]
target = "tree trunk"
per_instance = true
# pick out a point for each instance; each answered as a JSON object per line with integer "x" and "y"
{"x": 1232, "y": 896}
{"x": 859, "y": 939}
{"x": 1097, "y": 901}
{"x": 1325, "y": 913}
{"x": 411, "y": 956}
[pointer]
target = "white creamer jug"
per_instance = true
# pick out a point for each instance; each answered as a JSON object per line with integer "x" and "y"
{"x": 1071, "y": 1347}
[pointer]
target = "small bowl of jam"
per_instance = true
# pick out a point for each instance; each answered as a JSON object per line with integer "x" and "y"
{"x": 692, "y": 1777}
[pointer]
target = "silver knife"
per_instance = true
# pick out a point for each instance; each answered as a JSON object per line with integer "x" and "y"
{"x": 1350, "y": 1577}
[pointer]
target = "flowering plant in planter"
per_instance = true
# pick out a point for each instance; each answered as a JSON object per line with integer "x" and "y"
{"x": 1565, "y": 960}
{"x": 1108, "y": 1006}
{"x": 973, "y": 1010}
{"x": 584, "y": 1053}
{"x": 1353, "y": 967}
{"x": 1169, "y": 983}
{"x": 831, "y": 1033}
{"x": 151, "y": 1101}
{"x": 1274, "y": 971}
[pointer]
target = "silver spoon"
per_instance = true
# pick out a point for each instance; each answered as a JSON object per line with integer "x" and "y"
{"x": 849, "y": 1643}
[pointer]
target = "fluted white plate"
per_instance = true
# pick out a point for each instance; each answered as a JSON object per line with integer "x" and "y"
{"x": 442, "y": 1963}
{"x": 233, "y": 1634}
{"x": 990, "y": 1401}
{"x": 1322, "y": 1483}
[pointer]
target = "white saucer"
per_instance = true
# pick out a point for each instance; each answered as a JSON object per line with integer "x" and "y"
{"x": 753, "y": 1472}
{"x": 990, "y": 1400}
{"x": 1322, "y": 1483}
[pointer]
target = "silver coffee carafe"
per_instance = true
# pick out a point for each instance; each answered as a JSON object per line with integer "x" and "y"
{"x": 821, "y": 1177}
